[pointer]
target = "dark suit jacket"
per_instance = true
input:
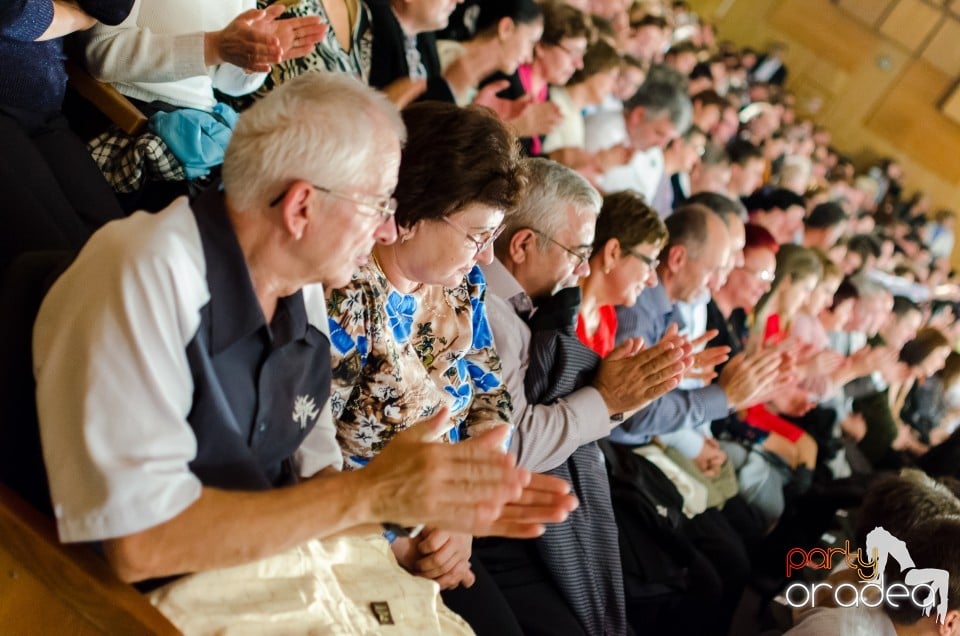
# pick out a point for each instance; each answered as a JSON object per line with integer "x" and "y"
{"x": 389, "y": 58}
{"x": 679, "y": 196}
{"x": 779, "y": 76}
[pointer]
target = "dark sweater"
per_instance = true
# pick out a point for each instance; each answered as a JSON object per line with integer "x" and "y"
{"x": 32, "y": 76}
{"x": 389, "y": 60}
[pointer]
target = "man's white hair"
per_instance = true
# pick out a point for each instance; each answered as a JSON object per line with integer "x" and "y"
{"x": 326, "y": 128}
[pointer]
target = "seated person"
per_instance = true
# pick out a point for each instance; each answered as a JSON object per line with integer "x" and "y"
{"x": 390, "y": 328}
{"x": 680, "y": 157}
{"x": 404, "y": 62}
{"x": 924, "y": 405}
{"x": 345, "y": 48}
{"x": 178, "y": 54}
{"x": 797, "y": 274}
{"x": 589, "y": 86}
{"x": 761, "y": 481}
{"x": 657, "y": 113}
{"x": 937, "y": 401}
{"x": 502, "y": 38}
{"x": 628, "y": 232}
{"x": 887, "y": 435}
{"x": 183, "y": 410}
{"x": 564, "y": 400}
{"x": 886, "y": 324}
{"x": 779, "y": 210}
{"x": 54, "y": 193}
{"x": 696, "y": 250}
{"x": 410, "y": 331}
{"x": 623, "y": 263}
{"x": 566, "y": 33}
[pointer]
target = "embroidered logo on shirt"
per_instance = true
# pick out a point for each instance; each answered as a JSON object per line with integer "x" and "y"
{"x": 304, "y": 410}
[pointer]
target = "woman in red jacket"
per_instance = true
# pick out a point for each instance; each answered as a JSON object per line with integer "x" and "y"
{"x": 626, "y": 246}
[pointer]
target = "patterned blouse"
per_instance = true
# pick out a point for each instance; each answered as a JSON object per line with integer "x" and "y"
{"x": 398, "y": 358}
{"x": 328, "y": 55}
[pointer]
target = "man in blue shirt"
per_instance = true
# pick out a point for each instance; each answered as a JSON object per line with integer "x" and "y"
{"x": 697, "y": 249}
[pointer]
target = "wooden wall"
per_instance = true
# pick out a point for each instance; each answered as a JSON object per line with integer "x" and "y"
{"x": 882, "y": 75}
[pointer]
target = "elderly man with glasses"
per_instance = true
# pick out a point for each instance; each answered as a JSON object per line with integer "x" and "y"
{"x": 539, "y": 257}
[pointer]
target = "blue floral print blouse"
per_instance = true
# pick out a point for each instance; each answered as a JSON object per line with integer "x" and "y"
{"x": 398, "y": 358}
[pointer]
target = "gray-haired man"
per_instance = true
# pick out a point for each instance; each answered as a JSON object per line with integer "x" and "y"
{"x": 541, "y": 253}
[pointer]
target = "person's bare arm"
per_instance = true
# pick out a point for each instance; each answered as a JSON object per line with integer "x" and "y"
{"x": 472, "y": 487}
{"x": 220, "y": 528}
{"x": 67, "y": 18}
{"x": 404, "y": 90}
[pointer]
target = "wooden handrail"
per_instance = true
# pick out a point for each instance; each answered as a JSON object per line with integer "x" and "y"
{"x": 106, "y": 98}
{"x": 47, "y": 587}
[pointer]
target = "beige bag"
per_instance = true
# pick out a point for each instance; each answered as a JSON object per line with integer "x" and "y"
{"x": 720, "y": 488}
{"x": 694, "y": 493}
{"x": 334, "y": 586}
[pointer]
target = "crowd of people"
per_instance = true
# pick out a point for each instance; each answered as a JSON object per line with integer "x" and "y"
{"x": 493, "y": 317}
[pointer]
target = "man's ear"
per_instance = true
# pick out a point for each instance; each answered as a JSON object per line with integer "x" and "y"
{"x": 520, "y": 243}
{"x": 295, "y": 208}
{"x": 637, "y": 116}
{"x": 505, "y": 28}
{"x": 676, "y": 258}
{"x": 950, "y": 625}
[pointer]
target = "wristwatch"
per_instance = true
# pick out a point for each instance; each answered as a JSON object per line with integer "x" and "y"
{"x": 393, "y": 531}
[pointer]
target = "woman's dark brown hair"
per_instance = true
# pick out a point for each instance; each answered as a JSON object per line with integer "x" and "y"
{"x": 599, "y": 58}
{"x": 456, "y": 157}
{"x": 922, "y": 346}
{"x": 626, "y": 217}
{"x": 561, "y": 21}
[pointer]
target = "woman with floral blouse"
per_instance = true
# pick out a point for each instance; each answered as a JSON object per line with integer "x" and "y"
{"x": 409, "y": 334}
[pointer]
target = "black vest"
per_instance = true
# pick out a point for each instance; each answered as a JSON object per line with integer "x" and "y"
{"x": 258, "y": 389}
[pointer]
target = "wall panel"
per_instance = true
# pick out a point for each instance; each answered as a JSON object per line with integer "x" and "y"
{"x": 911, "y": 23}
{"x": 882, "y": 91}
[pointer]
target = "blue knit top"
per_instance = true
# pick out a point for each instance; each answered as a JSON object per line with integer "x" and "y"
{"x": 32, "y": 76}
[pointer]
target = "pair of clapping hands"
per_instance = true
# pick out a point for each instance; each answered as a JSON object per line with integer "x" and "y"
{"x": 458, "y": 491}
{"x": 635, "y": 376}
{"x": 257, "y": 39}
